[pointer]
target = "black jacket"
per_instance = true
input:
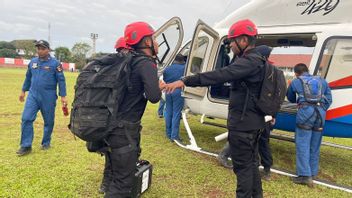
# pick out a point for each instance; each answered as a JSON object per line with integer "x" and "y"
{"x": 246, "y": 69}
{"x": 145, "y": 86}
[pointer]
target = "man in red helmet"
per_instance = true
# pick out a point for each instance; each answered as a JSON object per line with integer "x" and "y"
{"x": 121, "y": 46}
{"x": 124, "y": 141}
{"x": 245, "y": 122}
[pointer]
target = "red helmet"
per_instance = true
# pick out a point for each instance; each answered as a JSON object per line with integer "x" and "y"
{"x": 121, "y": 43}
{"x": 135, "y": 32}
{"x": 243, "y": 27}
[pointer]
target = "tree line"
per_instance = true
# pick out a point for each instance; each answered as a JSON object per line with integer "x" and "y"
{"x": 78, "y": 54}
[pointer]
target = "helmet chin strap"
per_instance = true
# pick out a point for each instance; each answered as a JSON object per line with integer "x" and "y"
{"x": 155, "y": 57}
{"x": 241, "y": 50}
{"x": 152, "y": 49}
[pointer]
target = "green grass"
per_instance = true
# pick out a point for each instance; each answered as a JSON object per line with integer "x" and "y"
{"x": 68, "y": 170}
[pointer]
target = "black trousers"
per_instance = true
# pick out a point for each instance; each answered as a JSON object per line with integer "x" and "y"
{"x": 124, "y": 141}
{"x": 244, "y": 154}
{"x": 226, "y": 151}
{"x": 107, "y": 174}
{"x": 266, "y": 159}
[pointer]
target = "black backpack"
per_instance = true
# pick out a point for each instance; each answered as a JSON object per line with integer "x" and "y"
{"x": 99, "y": 91}
{"x": 272, "y": 91}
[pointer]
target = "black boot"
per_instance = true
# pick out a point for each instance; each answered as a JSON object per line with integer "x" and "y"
{"x": 45, "y": 147}
{"x": 223, "y": 160}
{"x": 107, "y": 175}
{"x": 24, "y": 151}
{"x": 224, "y": 155}
{"x": 266, "y": 174}
{"x": 303, "y": 180}
{"x": 104, "y": 186}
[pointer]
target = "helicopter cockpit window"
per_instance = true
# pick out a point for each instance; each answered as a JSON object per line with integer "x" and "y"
{"x": 336, "y": 62}
{"x": 167, "y": 43}
{"x": 224, "y": 57}
{"x": 185, "y": 50}
{"x": 200, "y": 52}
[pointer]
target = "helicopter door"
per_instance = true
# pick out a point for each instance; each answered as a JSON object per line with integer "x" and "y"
{"x": 335, "y": 66}
{"x": 169, "y": 37}
{"x": 204, "y": 42}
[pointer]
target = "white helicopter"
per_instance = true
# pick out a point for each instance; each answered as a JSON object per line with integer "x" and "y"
{"x": 321, "y": 30}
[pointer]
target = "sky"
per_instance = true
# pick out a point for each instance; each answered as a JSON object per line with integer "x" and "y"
{"x": 73, "y": 21}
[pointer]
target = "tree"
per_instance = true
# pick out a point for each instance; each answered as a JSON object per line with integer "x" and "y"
{"x": 80, "y": 53}
{"x": 8, "y": 53}
{"x": 7, "y": 50}
{"x": 81, "y": 49}
{"x": 7, "y": 45}
{"x": 27, "y": 45}
{"x": 63, "y": 54}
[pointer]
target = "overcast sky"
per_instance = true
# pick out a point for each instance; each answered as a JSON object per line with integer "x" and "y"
{"x": 73, "y": 20}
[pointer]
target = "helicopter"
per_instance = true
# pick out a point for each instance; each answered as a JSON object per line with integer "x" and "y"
{"x": 318, "y": 33}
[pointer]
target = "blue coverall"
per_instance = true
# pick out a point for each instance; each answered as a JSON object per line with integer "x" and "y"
{"x": 161, "y": 108}
{"x": 41, "y": 81}
{"x": 307, "y": 137}
{"x": 174, "y": 101}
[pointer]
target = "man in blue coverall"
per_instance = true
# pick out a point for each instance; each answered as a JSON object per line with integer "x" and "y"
{"x": 310, "y": 120}
{"x": 43, "y": 75}
{"x": 174, "y": 101}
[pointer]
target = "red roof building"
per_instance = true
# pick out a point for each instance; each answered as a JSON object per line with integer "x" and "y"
{"x": 290, "y": 60}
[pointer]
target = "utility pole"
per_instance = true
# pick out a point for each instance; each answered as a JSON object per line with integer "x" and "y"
{"x": 49, "y": 29}
{"x": 94, "y": 37}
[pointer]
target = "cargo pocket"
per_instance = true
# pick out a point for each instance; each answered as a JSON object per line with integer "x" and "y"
{"x": 92, "y": 123}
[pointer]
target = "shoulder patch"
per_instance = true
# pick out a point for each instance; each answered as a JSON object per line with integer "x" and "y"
{"x": 59, "y": 68}
{"x": 34, "y": 65}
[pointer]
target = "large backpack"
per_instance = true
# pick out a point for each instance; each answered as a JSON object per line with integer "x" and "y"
{"x": 272, "y": 91}
{"x": 99, "y": 91}
{"x": 312, "y": 88}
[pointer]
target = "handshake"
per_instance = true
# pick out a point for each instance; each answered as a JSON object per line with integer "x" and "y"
{"x": 169, "y": 88}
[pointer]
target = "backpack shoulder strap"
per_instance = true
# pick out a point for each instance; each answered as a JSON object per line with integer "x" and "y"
{"x": 244, "y": 84}
{"x": 303, "y": 86}
{"x": 134, "y": 60}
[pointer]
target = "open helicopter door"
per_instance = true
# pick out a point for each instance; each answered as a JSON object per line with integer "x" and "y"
{"x": 205, "y": 40}
{"x": 169, "y": 37}
{"x": 334, "y": 65}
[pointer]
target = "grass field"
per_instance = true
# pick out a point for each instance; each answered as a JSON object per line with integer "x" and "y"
{"x": 68, "y": 170}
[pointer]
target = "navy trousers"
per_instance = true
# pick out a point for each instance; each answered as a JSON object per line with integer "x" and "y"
{"x": 45, "y": 102}
{"x": 174, "y": 106}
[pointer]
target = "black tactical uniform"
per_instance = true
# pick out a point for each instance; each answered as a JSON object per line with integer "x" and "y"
{"x": 244, "y": 126}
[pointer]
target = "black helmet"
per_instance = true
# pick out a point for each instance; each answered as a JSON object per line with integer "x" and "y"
{"x": 42, "y": 43}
